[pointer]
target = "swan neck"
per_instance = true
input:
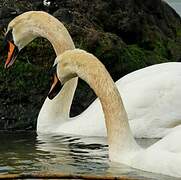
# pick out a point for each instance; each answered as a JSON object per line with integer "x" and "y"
{"x": 34, "y": 24}
{"x": 60, "y": 39}
{"x": 88, "y": 68}
{"x": 120, "y": 138}
{"x": 40, "y": 24}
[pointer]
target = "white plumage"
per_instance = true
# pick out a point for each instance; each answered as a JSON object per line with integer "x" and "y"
{"x": 162, "y": 157}
{"x": 152, "y": 100}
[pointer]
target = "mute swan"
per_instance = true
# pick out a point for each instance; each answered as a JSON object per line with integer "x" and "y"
{"x": 163, "y": 157}
{"x": 20, "y": 32}
{"x": 145, "y": 92}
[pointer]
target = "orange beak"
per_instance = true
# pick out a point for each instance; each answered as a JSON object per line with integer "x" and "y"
{"x": 55, "y": 81}
{"x": 55, "y": 88}
{"x": 10, "y": 54}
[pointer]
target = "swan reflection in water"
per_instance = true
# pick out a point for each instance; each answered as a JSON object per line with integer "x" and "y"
{"x": 28, "y": 152}
{"x": 76, "y": 154}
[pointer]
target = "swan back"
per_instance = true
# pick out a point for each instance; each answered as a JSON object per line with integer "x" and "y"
{"x": 154, "y": 107}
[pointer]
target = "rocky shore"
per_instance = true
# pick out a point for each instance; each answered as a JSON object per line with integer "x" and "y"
{"x": 124, "y": 34}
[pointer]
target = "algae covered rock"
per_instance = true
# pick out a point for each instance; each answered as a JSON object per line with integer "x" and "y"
{"x": 124, "y": 34}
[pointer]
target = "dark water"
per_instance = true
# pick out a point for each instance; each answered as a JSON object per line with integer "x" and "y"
{"x": 29, "y": 153}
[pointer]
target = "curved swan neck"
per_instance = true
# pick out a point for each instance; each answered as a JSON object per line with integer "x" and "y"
{"x": 88, "y": 68}
{"x": 27, "y": 27}
{"x": 38, "y": 23}
{"x": 60, "y": 39}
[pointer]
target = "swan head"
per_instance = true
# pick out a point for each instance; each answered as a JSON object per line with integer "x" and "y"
{"x": 11, "y": 48}
{"x": 62, "y": 71}
{"x": 56, "y": 84}
{"x": 18, "y": 35}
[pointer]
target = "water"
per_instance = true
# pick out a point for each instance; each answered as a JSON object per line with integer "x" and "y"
{"x": 175, "y": 4}
{"x": 29, "y": 153}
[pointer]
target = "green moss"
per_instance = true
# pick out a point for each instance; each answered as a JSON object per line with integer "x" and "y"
{"x": 160, "y": 49}
{"x": 23, "y": 88}
{"x": 22, "y": 76}
{"x": 81, "y": 43}
{"x": 39, "y": 52}
{"x": 174, "y": 49}
{"x": 178, "y": 31}
{"x": 137, "y": 57}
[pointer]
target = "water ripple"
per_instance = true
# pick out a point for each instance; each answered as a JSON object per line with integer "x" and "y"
{"x": 27, "y": 152}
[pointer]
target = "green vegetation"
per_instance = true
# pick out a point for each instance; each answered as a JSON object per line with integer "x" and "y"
{"x": 24, "y": 86}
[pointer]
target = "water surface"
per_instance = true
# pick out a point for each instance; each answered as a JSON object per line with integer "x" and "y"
{"x": 29, "y": 153}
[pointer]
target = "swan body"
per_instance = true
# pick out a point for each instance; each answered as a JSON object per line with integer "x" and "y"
{"x": 145, "y": 92}
{"x": 151, "y": 98}
{"x": 162, "y": 157}
{"x": 153, "y": 109}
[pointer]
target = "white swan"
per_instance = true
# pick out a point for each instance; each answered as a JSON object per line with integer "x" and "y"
{"x": 20, "y": 32}
{"x": 163, "y": 157}
{"x": 145, "y": 92}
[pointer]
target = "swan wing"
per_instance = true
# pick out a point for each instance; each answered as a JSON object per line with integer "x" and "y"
{"x": 162, "y": 157}
{"x": 170, "y": 143}
{"x": 152, "y": 99}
